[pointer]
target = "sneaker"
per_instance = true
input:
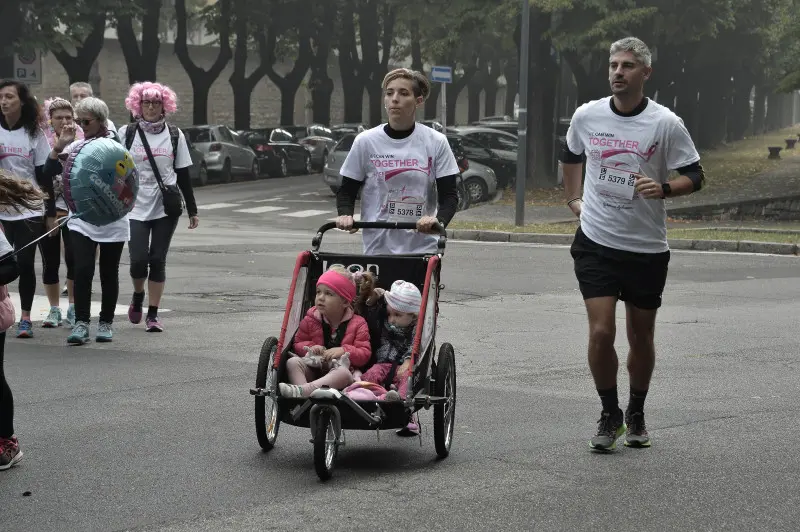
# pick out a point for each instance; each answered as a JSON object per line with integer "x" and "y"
{"x": 53, "y": 318}
{"x": 290, "y": 390}
{"x": 154, "y": 325}
{"x": 70, "y": 320}
{"x": 80, "y": 334}
{"x": 637, "y": 435}
{"x": 134, "y": 313}
{"x": 25, "y": 329}
{"x": 10, "y": 455}
{"x": 609, "y": 428}
{"x": 104, "y": 332}
{"x": 64, "y": 291}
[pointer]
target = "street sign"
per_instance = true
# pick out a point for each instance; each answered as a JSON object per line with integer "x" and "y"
{"x": 28, "y": 67}
{"x": 442, "y": 74}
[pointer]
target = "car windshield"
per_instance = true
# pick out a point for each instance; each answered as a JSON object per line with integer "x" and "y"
{"x": 197, "y": 135}
{"x": 346, "y": 143}
{"x": 298, "y": 132}
{"x": 257, "y": 136}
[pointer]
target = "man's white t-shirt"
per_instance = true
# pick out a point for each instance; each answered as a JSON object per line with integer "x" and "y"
{"x": 399, "y": 177}
{"x": 149, "y": 204}
{"x": 118, "y": 231}
{"x": 20, "y": 155}
{"x": 651, "y": 143}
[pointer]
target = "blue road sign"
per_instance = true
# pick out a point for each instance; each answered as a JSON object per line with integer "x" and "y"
{"x": 442, "y": 74}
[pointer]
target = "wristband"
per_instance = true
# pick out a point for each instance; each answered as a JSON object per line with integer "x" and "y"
{"x": 573, "y": 200}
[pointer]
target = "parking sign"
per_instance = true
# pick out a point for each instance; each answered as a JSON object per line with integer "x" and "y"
{"x": 442, "y": 74}
{"x": 28, "y": 67}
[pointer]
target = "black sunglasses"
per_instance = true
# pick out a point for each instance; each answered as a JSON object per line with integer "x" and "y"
{"x": 84, "y": 121}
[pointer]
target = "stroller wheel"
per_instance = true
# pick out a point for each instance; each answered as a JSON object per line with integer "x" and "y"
{"x": 444, "y": 415}
{"x": 326, "y": 445}
{"x": 267, "y": 417}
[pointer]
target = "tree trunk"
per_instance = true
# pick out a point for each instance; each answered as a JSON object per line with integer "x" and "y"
{"x": 541, "y": 95}
{"x": 142, "y": 65}
{"x": 759, "y": 110}
{"x": 511, "y": 73}
{"x": 740, "y": 106}
{"x": 320, "y": 83}
{"x": 455, "y": 88}
{"x": 474, "y": 90}
{"x": 772, "y": 121}
{"x": 79, "y": 66}
{"x": 350, "y": 67}
{"x": 202, "y": 79}
{"x": 432, "y": 103}
{"x": 376, "y": 34}
{"x": 592, "y": 84}
{"x": 290, "y": 83}
{"x": 490, "y": 89}
{"x": 416, "y": 47}
{"x": 714, "y": 98}
{"x": 241, "y": 83}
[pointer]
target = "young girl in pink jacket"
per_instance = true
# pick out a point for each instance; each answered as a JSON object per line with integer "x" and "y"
{"x": 331, "y": 342}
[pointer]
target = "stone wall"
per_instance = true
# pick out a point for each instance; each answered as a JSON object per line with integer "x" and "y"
{"x": 785, "y": 208}
{"x": 265, "y": 102}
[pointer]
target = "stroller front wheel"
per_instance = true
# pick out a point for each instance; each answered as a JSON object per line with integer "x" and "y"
{"x": 267, "y": 416}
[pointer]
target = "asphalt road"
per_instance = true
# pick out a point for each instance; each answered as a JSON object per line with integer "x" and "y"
{"x": 156, "y": 432}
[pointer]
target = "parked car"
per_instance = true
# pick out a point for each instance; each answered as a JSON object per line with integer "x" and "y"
{"x": 340, "y": 130}
{"x": 224, "y": 151}
{"x": 277, "y": 152}
{"x": 317, "y": 138}
{"x": 503, "y": 165}
{"x": 433, "y": 124}
{"x": 198, "y": 172}
{"x": 494, "y": 139}
{"x": 330, "y": 173}
{"x": 480, "y": 182}
{"x": 502, "y": 125}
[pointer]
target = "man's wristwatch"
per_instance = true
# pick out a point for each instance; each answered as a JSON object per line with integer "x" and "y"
{"x": 666, "y": 189}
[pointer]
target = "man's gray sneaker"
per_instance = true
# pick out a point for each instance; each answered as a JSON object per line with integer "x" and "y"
{"x": 610, "y": 426}
{"x": 637, "y": 435}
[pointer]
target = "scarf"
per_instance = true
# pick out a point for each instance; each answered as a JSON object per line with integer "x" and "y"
{"x": 154, "y": 128}
{"x": 395, "y": 343}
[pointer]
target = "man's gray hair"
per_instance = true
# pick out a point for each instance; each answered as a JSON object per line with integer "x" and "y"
{"x": 635, "y": 46}
{"x": 95, "y": 107}
{"x": 81, "y": 85}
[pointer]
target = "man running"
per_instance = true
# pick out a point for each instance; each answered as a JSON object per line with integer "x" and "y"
{"x": 620, "y": 250}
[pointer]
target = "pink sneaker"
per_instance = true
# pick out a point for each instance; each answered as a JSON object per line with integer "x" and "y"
{"x": 410, "y": 430}
{"x": 154, "y": 325}
{"x": 134, "y": 315}
{"x": 10, "y": 455}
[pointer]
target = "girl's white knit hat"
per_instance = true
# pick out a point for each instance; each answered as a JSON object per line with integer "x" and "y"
{"x": 404, "y": 297}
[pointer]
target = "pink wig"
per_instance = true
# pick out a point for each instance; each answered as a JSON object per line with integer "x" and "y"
{"x": 147, "y": 90}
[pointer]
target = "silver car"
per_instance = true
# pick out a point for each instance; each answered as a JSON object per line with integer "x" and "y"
{"x": 225, "y": 152}
{"x": 330, "y": 173}
{"x": 480, "y": 182}
{"x": 317, "y": 138}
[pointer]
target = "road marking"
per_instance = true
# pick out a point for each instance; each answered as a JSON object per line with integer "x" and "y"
{"x": 309, "y": 193}
{"x": 261, "y": 210}
{"x": 305, "y": 214}
{"x": 276, "y": 198}
{"x": 41, "y": 306}
{"x": 213, "y": 206}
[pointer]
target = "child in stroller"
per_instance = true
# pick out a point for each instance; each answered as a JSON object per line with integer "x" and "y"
{"x": 331, "y": 341}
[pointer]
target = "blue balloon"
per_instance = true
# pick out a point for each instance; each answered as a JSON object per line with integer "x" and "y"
{"x": 100, "y": 181}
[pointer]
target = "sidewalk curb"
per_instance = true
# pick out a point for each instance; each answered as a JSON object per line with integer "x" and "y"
{"x": 742, "y": 246}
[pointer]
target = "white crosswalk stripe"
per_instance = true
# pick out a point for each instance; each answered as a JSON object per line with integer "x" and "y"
{"x": 305, "y": 214}
{"x": 215, "y": 206}
{"x": 41, "y": 306}
{"x": 261, "y": 210}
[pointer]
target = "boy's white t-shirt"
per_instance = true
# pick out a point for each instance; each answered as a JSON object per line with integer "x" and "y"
{"x": 149, "y": 204}
{"x": 118, "y": 231}
{"x": 652, "y": 143}
{"x": 20, "y": 155}
{"x": 399, "y": 177}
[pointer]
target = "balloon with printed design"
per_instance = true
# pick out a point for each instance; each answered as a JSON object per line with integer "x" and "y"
{"x": 100, "y": 181}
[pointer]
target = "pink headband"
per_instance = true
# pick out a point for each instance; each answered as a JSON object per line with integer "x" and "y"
{"x": 341, "y": 285}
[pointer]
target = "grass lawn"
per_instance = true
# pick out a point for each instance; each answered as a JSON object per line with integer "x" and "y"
{"x": 725, "y": 166}
{"x": 684, "y": 233}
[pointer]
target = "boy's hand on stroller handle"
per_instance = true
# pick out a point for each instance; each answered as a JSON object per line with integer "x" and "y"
{"x": 428, "y": 224}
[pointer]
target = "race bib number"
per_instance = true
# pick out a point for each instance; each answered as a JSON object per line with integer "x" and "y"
{"x": 616, "y": 183}
{"x": 405, "y": 209}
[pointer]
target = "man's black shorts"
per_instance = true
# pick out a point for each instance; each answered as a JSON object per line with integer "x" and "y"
{"x": 637, "y": 278}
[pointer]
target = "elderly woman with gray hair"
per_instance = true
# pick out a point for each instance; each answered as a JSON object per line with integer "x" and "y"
{"x": 92, "y": 116}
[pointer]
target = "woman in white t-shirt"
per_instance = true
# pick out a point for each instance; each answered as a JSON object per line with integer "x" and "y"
{"x": 408, "y": 172}
{"x": 23, "y": 152}
{"x": 86, "y": 238}
{"x": 151, "y": 228}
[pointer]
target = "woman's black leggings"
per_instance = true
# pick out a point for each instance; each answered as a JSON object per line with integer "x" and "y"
{"x": 148, "y": 247}
{"x": 6, "y": 399}
{"x": 21, "y": 233}
{"x": 84, "y": 250}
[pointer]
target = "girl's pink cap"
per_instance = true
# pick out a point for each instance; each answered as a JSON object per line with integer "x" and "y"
{"x": 341, "y": 285}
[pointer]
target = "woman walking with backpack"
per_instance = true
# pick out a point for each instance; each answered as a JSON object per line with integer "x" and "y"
{"x": 162, "y": 157}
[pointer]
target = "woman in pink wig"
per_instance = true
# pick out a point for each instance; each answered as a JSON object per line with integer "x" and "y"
{"x": 162, "y": 157}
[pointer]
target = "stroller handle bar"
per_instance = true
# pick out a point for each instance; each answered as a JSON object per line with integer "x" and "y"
{"x": 316, "y": 242}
